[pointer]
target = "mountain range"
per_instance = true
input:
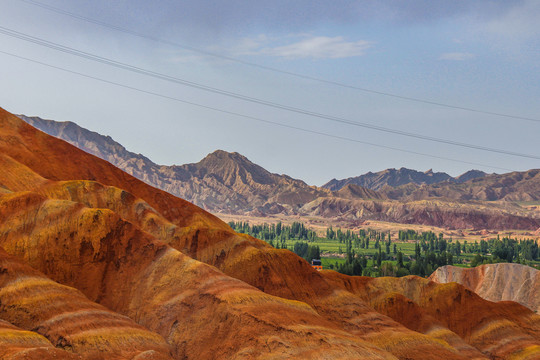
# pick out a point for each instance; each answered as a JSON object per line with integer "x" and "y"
{"x": 99, "y": 265}
{"x": 229, "y": 183}
{"x": 403, "y": 176}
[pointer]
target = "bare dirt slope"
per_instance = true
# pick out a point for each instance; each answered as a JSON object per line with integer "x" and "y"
{"x": 184, "y": 276}
{"x": 496, "y": 282}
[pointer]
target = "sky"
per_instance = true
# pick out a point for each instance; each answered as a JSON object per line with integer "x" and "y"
{"x": 300, "y": 87}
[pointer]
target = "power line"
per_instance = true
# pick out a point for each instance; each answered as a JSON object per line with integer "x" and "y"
{"x": 248, "y": 116}
{"x": 269, "y": 68}
{"x": 138, "y": 70}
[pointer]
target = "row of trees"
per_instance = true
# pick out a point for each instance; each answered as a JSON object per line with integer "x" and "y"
{"x": 405, "y": 235}
{"x": 429, "y": 255}
{"x": 423, "y": 263}
{"x": 505, "y": 250}
{"x": 307, "y": 251}
{"x": 431, "y": 250}
{"x": 296, "y": 231}
{"x": 495, "y": 249}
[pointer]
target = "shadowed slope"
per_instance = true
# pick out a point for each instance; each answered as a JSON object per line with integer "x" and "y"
{"x": 282, "y": 273}
{"x": 496, "y": 282}
{"x": 351, "y": 191}
{"x": 68, "y": 319}
{"x": 499, "y": 330}
{"x": 18, "y": 344}
{"x": 201, "y": 312}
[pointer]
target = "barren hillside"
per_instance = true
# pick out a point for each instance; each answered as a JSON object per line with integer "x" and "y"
{"x": 183, "y": 276}
{"x": 497, "y": 282}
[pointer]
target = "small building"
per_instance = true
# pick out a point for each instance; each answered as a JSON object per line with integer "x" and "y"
{"x": 316, "y": 264}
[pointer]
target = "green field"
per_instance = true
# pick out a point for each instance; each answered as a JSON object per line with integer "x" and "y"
{"x": 333, "y": 252}
{"x": 385, "y": 253}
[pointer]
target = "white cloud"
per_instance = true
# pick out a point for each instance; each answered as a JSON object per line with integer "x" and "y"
{"x": 318, "y": 47}
{"x": 251, "y": 46}
{"x": 457, "y": 56}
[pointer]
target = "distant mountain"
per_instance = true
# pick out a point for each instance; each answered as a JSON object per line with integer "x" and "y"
{"x": 230, "y": 183}
{"x": 518, "y": 186}
{"x": 222, "y": 181}
{"x": 99, "y": 145}
{"x": 403, "y": 176}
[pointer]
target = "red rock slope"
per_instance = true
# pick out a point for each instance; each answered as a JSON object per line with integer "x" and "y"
{"x": 18, "y": 344}
{"x": 210, "y": 293}
{"x": 496, "y": 282}
{"x": 500, "y": 330}
{"x": 201, "y": 312}
{"x": 68, "y": 320}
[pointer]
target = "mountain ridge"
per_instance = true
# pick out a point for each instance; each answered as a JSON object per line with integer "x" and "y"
{"x": 403, "y": 176}
{"x": 242, "y": 185}
{"x": 230, "y": 183}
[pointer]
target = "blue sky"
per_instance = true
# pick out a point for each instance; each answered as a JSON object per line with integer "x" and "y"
{"x": 483, "y": 55}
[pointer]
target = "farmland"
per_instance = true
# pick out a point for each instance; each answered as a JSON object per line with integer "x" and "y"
{"x": 379, "y": 253}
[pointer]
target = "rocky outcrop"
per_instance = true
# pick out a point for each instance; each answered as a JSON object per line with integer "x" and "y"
{"x": 19, "y": 344}
{"x": 496, "y": 282}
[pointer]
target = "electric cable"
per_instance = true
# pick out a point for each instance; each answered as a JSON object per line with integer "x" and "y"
{"x": 269, "y": 68}
{"x": 248, "y": 116}
{"x": 135, "y": 69}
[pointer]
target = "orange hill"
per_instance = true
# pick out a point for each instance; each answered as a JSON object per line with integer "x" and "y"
{"x": 68, "y": 319}
{"x": 210, "y": 293}
{"x": 18, "y": 344}
{"x": 413, "y": 301}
